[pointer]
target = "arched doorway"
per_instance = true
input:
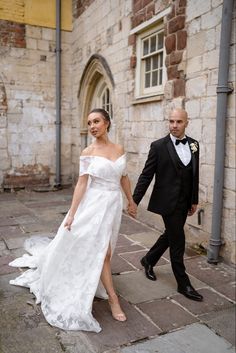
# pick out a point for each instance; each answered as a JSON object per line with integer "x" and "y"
{"x": 95, "y": 91}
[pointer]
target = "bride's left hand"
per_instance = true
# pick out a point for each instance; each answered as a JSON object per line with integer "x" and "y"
{"x": 68, "y": 222}
{"x": 132, "y": 209}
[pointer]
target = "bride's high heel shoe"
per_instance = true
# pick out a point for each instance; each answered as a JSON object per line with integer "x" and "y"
{"x": 116, "y": 311}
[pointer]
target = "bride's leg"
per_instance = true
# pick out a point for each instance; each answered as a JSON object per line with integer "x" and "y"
{"x": 106, "y": 279}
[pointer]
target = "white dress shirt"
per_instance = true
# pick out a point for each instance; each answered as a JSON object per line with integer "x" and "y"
{"x": 182, "y": 150}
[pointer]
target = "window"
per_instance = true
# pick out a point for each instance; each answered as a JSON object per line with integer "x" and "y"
{"x": 102, "y": 97}
{"x": 106, "y": 101}
{"x": 150, "y": 69}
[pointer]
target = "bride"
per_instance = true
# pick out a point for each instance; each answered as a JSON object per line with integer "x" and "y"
{"x": 66, "y": 273}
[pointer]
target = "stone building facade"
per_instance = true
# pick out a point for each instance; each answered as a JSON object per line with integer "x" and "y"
{"x": 137, "y": 59}
{"x": 27, "y": 100}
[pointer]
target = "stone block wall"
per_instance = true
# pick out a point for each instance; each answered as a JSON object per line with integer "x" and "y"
{"x": 192, "y": 35}
{"x": 203, "y": 23}
{"x": 27, "y": 105}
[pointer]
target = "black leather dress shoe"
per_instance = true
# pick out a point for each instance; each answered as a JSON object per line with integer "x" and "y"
{"x": 148, "y": 269}
{"x": 190, "y": 293}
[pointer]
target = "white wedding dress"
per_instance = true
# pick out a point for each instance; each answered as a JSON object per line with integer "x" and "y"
{"x": 64, "y": 273}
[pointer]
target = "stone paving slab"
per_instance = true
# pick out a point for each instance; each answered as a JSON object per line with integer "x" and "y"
{"x": 147, "y": 239}
{"x": 152, "y": 308}
{"x": 195, "y": 338}
{"x": 25, "y": 196}
{"x": 19, "y": 312}
{"x": 5, "y": 196}
{"x": 166, "y": 314}
{"x": 7, "y": 289}
{"x": 217, "y": 276}
{"x": 10, "y": 231}
{"x": 15, "y": 242}
{"x": 124, "y": 241}
{"x": 114, "y": 333}
{"x": 25, "y": 219}
{"x": 135, "y": 257}
{"x": 16, "y": 208}
{"x": 42, "y": 204}
{"x": 36, "y": 340}
{"x": 23, "y": 326}
{"x": 223, "y": 323}
{"x": 130, "y": 226}
{"x": 136, "y": 288}
{"x": 7, "y": 221}
{"x": 46, "y": 216}
{"x": 119, "y": 265}
{"x": 4, "y": 268}
{"x": 40, "y": 227}
{"x": 127, "y": 249}
{"x": 228, "y": 290}
{"x": 76, "y": 342}
{"x": 211, "y": 302}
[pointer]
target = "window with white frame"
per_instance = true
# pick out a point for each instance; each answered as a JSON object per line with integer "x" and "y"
{"x": 150, "y": 69}
{"x": 102, "y": 97}
{"x": 106, "y": 101}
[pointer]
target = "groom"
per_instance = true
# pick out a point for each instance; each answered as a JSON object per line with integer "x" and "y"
{"x": 174, "y": 161}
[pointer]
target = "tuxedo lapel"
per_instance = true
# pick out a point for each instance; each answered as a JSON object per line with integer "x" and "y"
{"x": 193, "y": 159}
{"x": 172, "y": 152}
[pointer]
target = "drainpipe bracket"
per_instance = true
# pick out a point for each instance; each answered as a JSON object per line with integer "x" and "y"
{"x": 225, "y": 88}
{"x": 215, "y": 242}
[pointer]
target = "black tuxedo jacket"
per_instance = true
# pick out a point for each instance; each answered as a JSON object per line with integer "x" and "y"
{"x": 162, "y": 162}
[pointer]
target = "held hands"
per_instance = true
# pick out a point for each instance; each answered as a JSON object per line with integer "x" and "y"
{"x": 68, "y": 222}
{"x": 132, "y": 209}
{"x": 192, "y": 210}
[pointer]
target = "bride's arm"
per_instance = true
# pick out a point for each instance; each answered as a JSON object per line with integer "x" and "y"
{"x": 125, "y": 184}
{"x": 77, "y": 197}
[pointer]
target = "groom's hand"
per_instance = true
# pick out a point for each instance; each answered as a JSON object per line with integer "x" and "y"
{"x": 192, "y": 210}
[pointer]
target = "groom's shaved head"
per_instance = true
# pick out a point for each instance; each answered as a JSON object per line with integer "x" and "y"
{"x": 179, "y": 111}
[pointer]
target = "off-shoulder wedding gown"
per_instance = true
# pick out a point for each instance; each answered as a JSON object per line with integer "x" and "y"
{"x": 64, "y": 273}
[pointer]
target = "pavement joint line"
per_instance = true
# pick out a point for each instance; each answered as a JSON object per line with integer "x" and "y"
{"x": 140, "y": 222}
{"x": 22, "y": 228}
{"x": 165, "y": 258}
{"x": 131, "y": 252}
{"x": 135, "y": 242}
{"x": 222, "y": 295}
{"x": 124, "y": 273}
{"x": 216, "y": 333}
{"x": 135, "y": 268}
{"x": 147, "y": 317}
{"x": 184, "y": 308}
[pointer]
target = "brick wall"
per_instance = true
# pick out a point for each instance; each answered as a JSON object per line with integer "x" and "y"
{"x": 79, "y": 6}
{"x": 12, "y": 34}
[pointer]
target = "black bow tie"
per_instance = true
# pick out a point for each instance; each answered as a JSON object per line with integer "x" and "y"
{"x": 184, "y": 140}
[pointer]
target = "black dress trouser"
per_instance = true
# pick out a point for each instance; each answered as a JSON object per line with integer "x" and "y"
{"x": 174, "y": 238}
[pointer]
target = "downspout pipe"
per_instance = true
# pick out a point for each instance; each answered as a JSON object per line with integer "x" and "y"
{"x": 58, "y": 94}
{"x": 222, "y": 90}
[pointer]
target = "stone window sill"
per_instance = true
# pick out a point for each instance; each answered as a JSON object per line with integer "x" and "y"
{"x": 143, "y": 100}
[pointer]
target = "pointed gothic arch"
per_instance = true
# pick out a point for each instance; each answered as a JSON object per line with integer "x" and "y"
{"x": 95, "y": 91}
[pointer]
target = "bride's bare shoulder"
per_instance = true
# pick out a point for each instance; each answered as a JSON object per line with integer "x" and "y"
{"x": 87, "y": 151}
{"x": 119, "y": 149}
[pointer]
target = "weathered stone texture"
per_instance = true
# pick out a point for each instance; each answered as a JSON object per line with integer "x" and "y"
{"x": 197, "y": 8}
{"x": 27, "y": 101}
{"x": 202, "y": 61}
{"x": 27, "y": 97}
{"x": 12, "y": 34}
